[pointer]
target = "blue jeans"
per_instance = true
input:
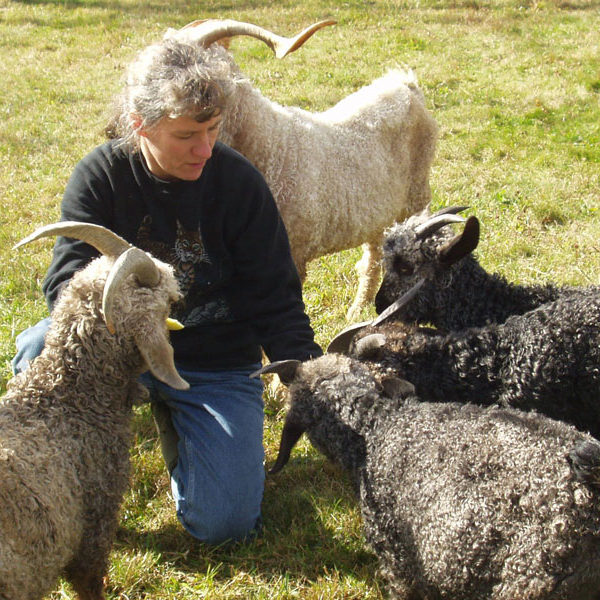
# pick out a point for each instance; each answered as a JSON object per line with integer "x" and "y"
{"x": 218, "y": 481}
{"x": 29, "y": 344}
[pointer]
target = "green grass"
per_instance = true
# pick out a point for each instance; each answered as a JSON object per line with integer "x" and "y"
{"x": 515, "y": 88}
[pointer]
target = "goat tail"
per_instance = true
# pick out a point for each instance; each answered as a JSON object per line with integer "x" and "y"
{"x": 584, "y": 459}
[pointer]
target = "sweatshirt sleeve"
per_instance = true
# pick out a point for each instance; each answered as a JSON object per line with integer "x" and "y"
{"x": 87, "y": 199}
{"x": 268, "y": 279}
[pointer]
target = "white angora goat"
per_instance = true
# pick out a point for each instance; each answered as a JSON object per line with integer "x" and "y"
{"x": 65, "y": 421}
{"x": 341, "y": 176}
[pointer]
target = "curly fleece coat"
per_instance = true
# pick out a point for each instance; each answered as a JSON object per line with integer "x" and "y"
{"x": 458, "y": 501}
{"x": 455, "y": 294}
{"x": 547, "y": 360}
{"x": 65, "y": 437}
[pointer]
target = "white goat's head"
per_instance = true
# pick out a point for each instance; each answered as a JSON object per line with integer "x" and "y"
{"x": 132, "y": 270}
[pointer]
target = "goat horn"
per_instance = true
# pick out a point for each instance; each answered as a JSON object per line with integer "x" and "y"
{"x": 435, "y": 223}
{"x": 104, "y": 240}
{"x": 286, "y": 369}
{"x": 398, "y": 304}
{"x": 370, "y": 345}
{"x": 134, "y": 261}
{"x": 449, "y": 210}
{"x": 212, "y": 30}
{"x": 289, "y": 436}
{"x": 341, "y": 342}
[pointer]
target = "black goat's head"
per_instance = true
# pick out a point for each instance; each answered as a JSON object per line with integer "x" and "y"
{"x": 423, "y": 249}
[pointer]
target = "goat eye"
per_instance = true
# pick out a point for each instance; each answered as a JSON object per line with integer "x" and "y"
{"x": 401, "y": 267}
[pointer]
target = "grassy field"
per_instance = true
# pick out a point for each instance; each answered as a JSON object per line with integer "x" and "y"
{"x": 515, "y": 88}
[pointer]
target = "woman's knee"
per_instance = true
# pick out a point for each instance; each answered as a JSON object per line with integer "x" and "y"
{"x": 232, "y": 518}
{"x": 232, "y": 529}
{"x": 218, "y": 480}
{"x": 218, "y": 500}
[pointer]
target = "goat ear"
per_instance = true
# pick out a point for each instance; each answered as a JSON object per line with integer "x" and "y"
{"x": 462, "y": 244}
{"x": 158, "y": 354}
{"x": 394, "y": 387}
{"x": 286, "y": 369}
{"x": 289, "y": 437}
{"x": 584, "y": 460}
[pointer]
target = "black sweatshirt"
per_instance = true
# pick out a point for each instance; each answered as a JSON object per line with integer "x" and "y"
{"x": 225, "y": 238}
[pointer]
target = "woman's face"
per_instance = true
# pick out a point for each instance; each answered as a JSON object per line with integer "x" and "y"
{"x": 179, "y": 148}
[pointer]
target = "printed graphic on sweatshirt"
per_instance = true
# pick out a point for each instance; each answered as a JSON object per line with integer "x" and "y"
{"x": 194, "y": 271}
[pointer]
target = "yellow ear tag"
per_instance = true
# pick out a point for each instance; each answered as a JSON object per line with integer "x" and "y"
{"x": 173, "y": 324}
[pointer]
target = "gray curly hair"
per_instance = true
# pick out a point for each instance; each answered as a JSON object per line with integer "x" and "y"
{"x": 170, "y": 78}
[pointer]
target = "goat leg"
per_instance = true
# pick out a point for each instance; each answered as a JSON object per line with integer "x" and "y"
{"x": 368, "y": 268}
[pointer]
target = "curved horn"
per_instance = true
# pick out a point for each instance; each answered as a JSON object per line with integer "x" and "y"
{"x": 212, "y": 30}
{"x": 435, "y": 223}
{"x": 104, "y": 240}
{"x": 286, "y": 369}
{"x": 391, "y": 310}
{"x": 134, "y": 261}
{"x": 462, "y": 244}
{"x": 289, "y": 436}
{"x": 369, "y": 346}
{"x": 341, "y": 342}
{"x": 449, "y": 210}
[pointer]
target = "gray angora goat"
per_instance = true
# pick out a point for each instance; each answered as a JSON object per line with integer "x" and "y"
{"x": 457, "y": 291}
{"x": 65, "y": 421}
{"x": 458, "y": 501}
{"x": 547, "y": 359}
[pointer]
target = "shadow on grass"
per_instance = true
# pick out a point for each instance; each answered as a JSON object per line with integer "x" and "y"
{"x": 141, "y": 5}
{"x": 489, "y": 4}
{"x": 311, "y": 528}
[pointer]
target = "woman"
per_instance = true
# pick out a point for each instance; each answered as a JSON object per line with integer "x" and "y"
{"x": 168, "y": 186}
